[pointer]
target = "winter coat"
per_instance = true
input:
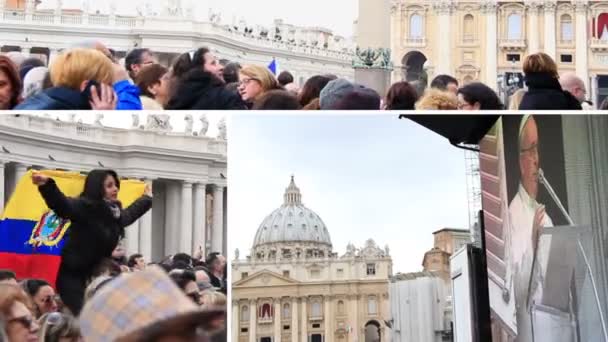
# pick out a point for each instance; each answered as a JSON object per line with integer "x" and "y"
{"x": 94, "y": 232}
{"x": 56, "y": 98}
{"x": 128, "y": 96}
{"x": 199, "y": 89}
{"x": 545, "y": 92}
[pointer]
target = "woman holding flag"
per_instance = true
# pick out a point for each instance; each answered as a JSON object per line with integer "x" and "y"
{"x": 98, "y": 222}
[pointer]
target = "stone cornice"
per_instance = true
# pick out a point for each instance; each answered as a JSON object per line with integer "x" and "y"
{"x": 581, "y": 7}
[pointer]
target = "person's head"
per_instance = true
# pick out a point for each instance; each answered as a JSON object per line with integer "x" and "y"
{"x": 202, "y": 278}
{"x": 215, "y": 261}
{"x": 28, "y": 65}
{"x": 528, "y": 155}
{"x": 75, "y": 68}
{"x": 10, "y": 84}
{"x": 604, "y": 104}
{"x": 183, "y": 257}
{"x": 137, "y": 262}
{"x": 58, "y": 327}
{"x": 151, "y": 308}
{"x": 445, "y": 83}
{"x": 101, "y": 185}
{"x": 312, "y": 88}
{"x": 153, "y": 81}
{"x": 358, "y": 99}
{"x": 212, "y": 297}
{"x": 231, "y": 72}
{"x": 42, "y": 294}
{"x": 201, "y": 58}
{"x": 401, "y": 96}
{"x": 186, "y": 281}
{"x": 15, "y": 308}
{"x": 516, "y": 98}
{"x": 276, "y": 100}
{"x": 8, "y": 277}
{"x": 95, "y": 45}
{"x": 255, "y": 80}
{"x": 285, "y": 78}
{"x": 435, "y": 99}
{"x": 540, "y": 62}
{"x": 478, "y": 96}
{"x": 33, "y": 82}
{"x": 119, "y": 254}
{"x": 574, "y": 85}
{"x": 137, "y": 59}
{"x": 334, "y": 91}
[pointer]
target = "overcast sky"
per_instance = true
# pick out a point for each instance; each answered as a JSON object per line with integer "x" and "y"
{"x": 336, "y": 15}
{"x": 371, "y": 176}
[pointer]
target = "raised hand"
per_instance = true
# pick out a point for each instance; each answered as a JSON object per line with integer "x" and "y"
{"x": 104, "y": 98}
{"x": 148, "y": 190}
{"x": 39, "y": 179}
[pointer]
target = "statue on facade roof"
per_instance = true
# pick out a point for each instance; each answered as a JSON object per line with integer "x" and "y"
{"x": 98, "y": 118}
{"x": 189, "y": 123}
{"x": 205, "y": 125}
{"x": 236, "y": 254}
{"x": 134, "y": 120}
{"x": 221, "y": 126}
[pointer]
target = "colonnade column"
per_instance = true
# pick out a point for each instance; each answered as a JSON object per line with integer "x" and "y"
{"x": 253, "y": 314}
{"x": 294, "y": 319}
{"x": 199, "y": 217}
{"x": 581, "y": 57}
{"x": 328, "y": 319}
{"x": 145, "y": 230}
{"x": 304, "y": 328}
{"x": 1, "y": 185}
{"x": 218, "y": 219}
{"x": 533, "y": 10}
{"x": 491, "y": 46}
{"x": 277, "y": 320}
{"x": 171, "y": 218}
{"x": 235, "y": 320}
{"x": 185, "y": 234}
{"x": 444, "y": 11}
{"x": 20, "y": 171}
{"x": 550, "y": 8}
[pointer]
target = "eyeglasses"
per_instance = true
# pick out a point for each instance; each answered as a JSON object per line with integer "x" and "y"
{"x": 195, "y": 296}
{"x": 246, "y": 81}
{"x": 26, "y": 321}
{"x": 48, "y": 300}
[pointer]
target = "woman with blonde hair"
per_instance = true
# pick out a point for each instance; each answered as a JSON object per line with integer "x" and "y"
{"x": 544, "y": 90}
{"x": 435, "y": 99}
{"x": 59, "y": 327}
{"x": 16, "y": 310}
{"x": 255, "y": 80}
{"x": 82, "y": 79}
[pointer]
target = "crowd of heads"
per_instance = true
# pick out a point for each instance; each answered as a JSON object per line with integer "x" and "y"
{"x": 181, "y": 298}
{"x": 88, "y": 76}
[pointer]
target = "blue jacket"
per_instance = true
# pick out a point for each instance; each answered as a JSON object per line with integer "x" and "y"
{"x": 128, "y": 96}
{"x": 56, "y": 98}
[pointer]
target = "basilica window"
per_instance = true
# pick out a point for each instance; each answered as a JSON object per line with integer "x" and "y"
{"x": 316, "y": 309}
{"x": 514, "y": 25}
{"x": 469, "y": 27}
{"x": 244, "y": 313}
{"x": 371, "y": 269}
{"x": 265, "y": 311}
{"x": 372, "y": 305}
{"x": 602, "y": 26}
{"x": 567, "y": 32}
{"x": 315, "y": 274}
{"x": 416, "y": 26}
{"x": 340, "y": 307}
{"x": 286, "y": 310}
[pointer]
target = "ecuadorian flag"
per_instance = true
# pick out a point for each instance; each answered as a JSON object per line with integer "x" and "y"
{"x": 32, "y": 235}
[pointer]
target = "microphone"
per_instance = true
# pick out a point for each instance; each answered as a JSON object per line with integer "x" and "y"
{"x": 542, "y": 180}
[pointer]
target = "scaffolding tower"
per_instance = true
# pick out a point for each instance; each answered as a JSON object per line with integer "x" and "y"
{"x": 473, "y": 192}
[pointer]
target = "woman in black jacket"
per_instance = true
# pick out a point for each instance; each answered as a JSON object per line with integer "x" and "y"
{"x": 97, "y": 224}
{"x": 544, "y": 90}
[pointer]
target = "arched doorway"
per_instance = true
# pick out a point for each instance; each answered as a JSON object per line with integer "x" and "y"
{"x": 413, "y": 63}
{"x": 372, "y": 331}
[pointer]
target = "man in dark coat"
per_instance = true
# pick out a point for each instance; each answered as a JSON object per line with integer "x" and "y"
{"x": 545, "y": 92}
{"x": 199, "y": 89}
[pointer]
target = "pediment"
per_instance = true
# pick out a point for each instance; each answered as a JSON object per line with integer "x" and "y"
{"x": 264, "y": 278}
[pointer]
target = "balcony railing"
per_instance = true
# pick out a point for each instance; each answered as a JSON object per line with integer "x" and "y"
{"x": 264, "y": 320}
{"x": 597, "y": 44}
{"x": 512, "y": 44}
{"x": 71, "y": 19}
{"x": 415, "y": 41}
{"x": 97, "y": 19}
{"x": 47, "y": 18}
{"x": 14, "y": 15}
{"x": 125, "y": 21}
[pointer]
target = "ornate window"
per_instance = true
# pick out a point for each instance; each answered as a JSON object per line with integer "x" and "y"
{"x": 265, "y": 311}
{"x": 602, "y": 26}
{"x": 316, "y": 309}
{"x": 514, "y": 25}
{"x": 469, "y": 27}
{"x": 286, "y": 310}
{"x": 372, "y": 305}
{"x": 341, "y": 307}
{"x": 567, "y": 32}
{"x": 416, "y": 23}
{"x": 244, "y": 313}
{"x": 371, "y": 269}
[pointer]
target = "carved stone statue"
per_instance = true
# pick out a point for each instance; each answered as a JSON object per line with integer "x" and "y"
{"x": 386, "y": 250}
{"x": 205, "y": 125}
{"x": 72, "y": 117}
{"x": 135, "y": 120}
{"x": 236, "y": 254}
{"x": 158, "y": 122}
{"x": 98, "y": 118}
{"x": 221, "y": 126}
{"x": 112, "y": 7}
{"x": 189, "y": 123}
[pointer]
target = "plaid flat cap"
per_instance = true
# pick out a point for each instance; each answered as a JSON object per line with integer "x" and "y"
{"x": 135, "y": 301}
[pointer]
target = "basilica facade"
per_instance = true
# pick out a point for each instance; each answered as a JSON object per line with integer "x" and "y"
{"x": 489, "y": 40}
{"x": 294, "y": 287}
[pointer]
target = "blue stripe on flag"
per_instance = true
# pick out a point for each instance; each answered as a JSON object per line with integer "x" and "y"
{"x": 14, "y": 237}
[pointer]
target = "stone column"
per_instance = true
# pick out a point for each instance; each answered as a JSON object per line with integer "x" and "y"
{"x": 304, "y": 328}
{"x": 549, "y": 33}
{"x": 277, "y": 320}
{"x": 354, "y": 314}
{"x": 1, "y": 185}
{"x": 132, "y": 238}
{"x": 186, "y": 218}
{"x": 236, "y": 320}
{"x": 20, "y": 171}
{"x": 444, "y": 54}
{"x": 328, "y": 319}
{"x": 145, "y": 231}
{"x": 491, "y": 45}
{"x": 218, "y": 215}
{"x": 533, "y": 10}
{"x": 582, "y": 69}
{"x": 594, "y": 92}
{"x": 253, "y": 314}
{"x": 199, "y": 215}
{"x": 294, "y": 320}
{"x": 172, "y": 228}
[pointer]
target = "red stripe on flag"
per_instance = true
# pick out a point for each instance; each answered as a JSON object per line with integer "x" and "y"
{"x": 32, "y": 266}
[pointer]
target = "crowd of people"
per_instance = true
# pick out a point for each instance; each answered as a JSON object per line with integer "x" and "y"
{"x": 89, "y": 76}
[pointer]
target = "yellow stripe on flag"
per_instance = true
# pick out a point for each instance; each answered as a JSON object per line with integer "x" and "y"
{"x": 26, "y": 203}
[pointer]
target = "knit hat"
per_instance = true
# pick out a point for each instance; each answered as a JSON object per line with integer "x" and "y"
{"x": 139, "y": 301}
{"x": 32, "y": 83}
{"x": 334, "y": 91}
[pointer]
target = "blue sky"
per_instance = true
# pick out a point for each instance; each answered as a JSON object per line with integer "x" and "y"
{"x": 367, "y": 176}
